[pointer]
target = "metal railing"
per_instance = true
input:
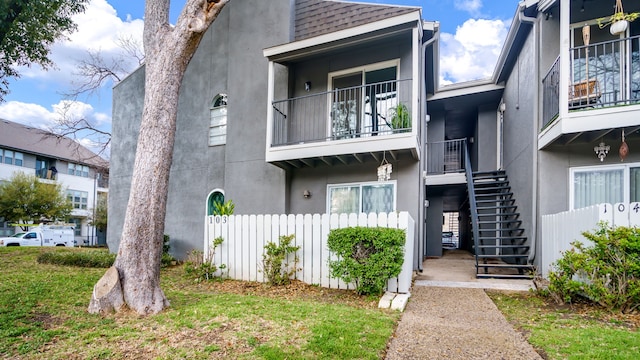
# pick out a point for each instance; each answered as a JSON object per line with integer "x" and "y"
{"x": 550, "y": 93}
{"x": 446, "y": 156}
{"x": 354, "y": 112}
{"x": 603, "y": 74}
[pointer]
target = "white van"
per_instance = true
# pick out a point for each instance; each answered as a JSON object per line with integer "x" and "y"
{"x": 42, "y": 235}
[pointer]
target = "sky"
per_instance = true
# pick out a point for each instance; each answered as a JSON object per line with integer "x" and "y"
{"x": 472, "y": 35}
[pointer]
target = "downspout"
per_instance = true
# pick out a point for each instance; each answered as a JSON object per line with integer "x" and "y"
{"x": 423, "y": 143}
{"x": 536, "y": 53}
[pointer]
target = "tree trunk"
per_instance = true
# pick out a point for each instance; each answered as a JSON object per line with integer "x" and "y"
{"x": 168, "y": 52}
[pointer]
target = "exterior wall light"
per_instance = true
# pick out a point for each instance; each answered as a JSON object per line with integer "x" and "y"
{"x": 306, "y": 194}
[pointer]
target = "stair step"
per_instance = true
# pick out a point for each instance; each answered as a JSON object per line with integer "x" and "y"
{"x": 500, "y": 230}
{"x": 510, "y": 256}
{"x": 504, "y": 276}
{"x": 502, "y": 246}
{"x": 502, "y": 238}
{"x": 512, "y": 200}
{"x": 500, "y": 214}
{"x": 495, "y": 194}
{"x": 488, "y": 174}
{"x": 501, "y": 207}
{"x": 491, "y": 183}
{"x": 503, "y": 266}
{"x": 500, "y": 222}
{"x": 494, "y": 190}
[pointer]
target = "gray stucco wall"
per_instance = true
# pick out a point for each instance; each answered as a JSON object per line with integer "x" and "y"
{"x": 520, "y": 132}
{"x": 229, "y": 60}
{"x": 486, "y": 139}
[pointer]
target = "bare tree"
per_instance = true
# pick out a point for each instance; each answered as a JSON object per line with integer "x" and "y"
{"x": 169, "y": 50}
{"x": 94, "y": 72}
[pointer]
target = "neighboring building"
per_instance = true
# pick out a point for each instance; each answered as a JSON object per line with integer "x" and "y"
{"x": 82, "y": 173}
{"x": 298, "y": 116}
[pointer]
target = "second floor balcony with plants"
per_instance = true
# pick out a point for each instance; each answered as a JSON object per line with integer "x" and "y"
{"x": 349, "y": 121}
{"x": 594, "y": 84}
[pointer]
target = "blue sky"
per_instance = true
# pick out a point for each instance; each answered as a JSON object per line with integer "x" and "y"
{"x": 472, "y": 33}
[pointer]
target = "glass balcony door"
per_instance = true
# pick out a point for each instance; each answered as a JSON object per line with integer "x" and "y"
{"x": 362, "y": 100}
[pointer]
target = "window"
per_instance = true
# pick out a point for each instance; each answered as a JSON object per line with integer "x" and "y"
{"x": 8, "y": 157}
{"x": 363, "y": 99}
{"x": 604, "y": 184}
{"x": 77, "y": 226}
{"x": 78, "y": 170}
{"x": 215, "y": 197}
{"x": 218, "y": 121}
{"x": 18, "y": 159}
{"x": 78, "y": 199}
{"x": 374, "y": 197}
{"x": 11, "y": 157}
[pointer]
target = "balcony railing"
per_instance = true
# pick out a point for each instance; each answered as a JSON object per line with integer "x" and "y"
{"x": 354, "y": 112}
{"x": 551, "y": 95}
{"x": 602, "y": 75}
{"x": 446, "y": 156}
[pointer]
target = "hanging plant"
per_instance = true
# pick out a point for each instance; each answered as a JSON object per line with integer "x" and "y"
{"x": 619, "y": 21}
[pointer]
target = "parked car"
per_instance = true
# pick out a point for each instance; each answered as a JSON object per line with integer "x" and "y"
{"x": 449, "y": 240}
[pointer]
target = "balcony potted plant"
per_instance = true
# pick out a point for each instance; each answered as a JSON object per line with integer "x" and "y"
{"x": 400, "y": 118}
{"x": 619, "y": 21}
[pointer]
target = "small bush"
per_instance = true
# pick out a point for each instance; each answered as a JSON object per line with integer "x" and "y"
{"x": 166, "y": 258}
{"x": 367, "y": 257}
{"x": 607, "y": 273}
{"x": 91, "y": 259}
{"x": 275, "y": 261}
{"x": 200, "y": 268}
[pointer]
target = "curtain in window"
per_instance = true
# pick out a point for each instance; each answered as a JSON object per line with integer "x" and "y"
{"x": 377, "y": 198}
{"x": 345, "y": 200}
{"x": 595, "y": 187}
{"x": 634, "y": 183}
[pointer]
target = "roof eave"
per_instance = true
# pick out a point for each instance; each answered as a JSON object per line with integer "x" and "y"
{"x": 279, "y": 50}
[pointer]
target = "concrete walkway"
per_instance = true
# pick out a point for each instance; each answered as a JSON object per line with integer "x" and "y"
{"x": 449, "y": 316}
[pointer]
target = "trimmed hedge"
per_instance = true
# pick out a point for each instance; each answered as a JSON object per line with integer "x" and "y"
{"x": 367, "y": 257}
{"x": 91, "y": 259}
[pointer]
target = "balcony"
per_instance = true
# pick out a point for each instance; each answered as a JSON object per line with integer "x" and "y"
{"x": 603, "y": 93}
{"x": 345, "y": 125}
{"x": 446, "y": 162}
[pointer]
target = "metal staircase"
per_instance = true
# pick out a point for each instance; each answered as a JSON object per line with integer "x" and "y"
{"x": 500, "y": 247}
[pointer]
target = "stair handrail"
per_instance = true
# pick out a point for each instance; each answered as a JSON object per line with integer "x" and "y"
{"x": 472, "y": 203}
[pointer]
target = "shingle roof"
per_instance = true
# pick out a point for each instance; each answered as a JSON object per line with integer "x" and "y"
{"x": 319, "y": 17}
{"x": 27, "y": 139}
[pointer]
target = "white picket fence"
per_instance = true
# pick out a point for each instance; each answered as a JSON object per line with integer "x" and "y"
{"x": 246, "y": 235}
{"x": 560, "y": 230}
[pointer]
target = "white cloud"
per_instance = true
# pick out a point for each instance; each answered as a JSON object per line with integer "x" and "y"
{"x": 99, "y": 28}
{"x": 471, "y": 6}
{"x": 472, "y": 52}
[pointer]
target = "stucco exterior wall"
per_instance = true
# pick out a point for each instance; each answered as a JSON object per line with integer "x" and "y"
{"x": 229, "y": 60}
{"x": 520, "y": 132}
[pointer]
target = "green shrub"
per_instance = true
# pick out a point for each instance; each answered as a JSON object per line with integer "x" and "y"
{"x": 226, "y": 208}
{"x": 199, "y": 268}
{"x": 607, "y": 273}
{"x": 166, "y": 258}
{"x": 91, "y": 259}
{"x": 275, "y": 261}
{"x": 367, "y": 257}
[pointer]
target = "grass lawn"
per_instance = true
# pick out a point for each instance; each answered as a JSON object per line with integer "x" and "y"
{"x": 578, "y": 331}
{"x": 43, "y": 315}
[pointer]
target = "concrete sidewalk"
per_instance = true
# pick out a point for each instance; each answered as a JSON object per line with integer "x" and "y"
{"x": 449, "y": 316}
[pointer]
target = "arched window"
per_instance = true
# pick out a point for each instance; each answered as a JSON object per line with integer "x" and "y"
{"x": 218, "y": 124}
{"x": 216, "y": 196}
